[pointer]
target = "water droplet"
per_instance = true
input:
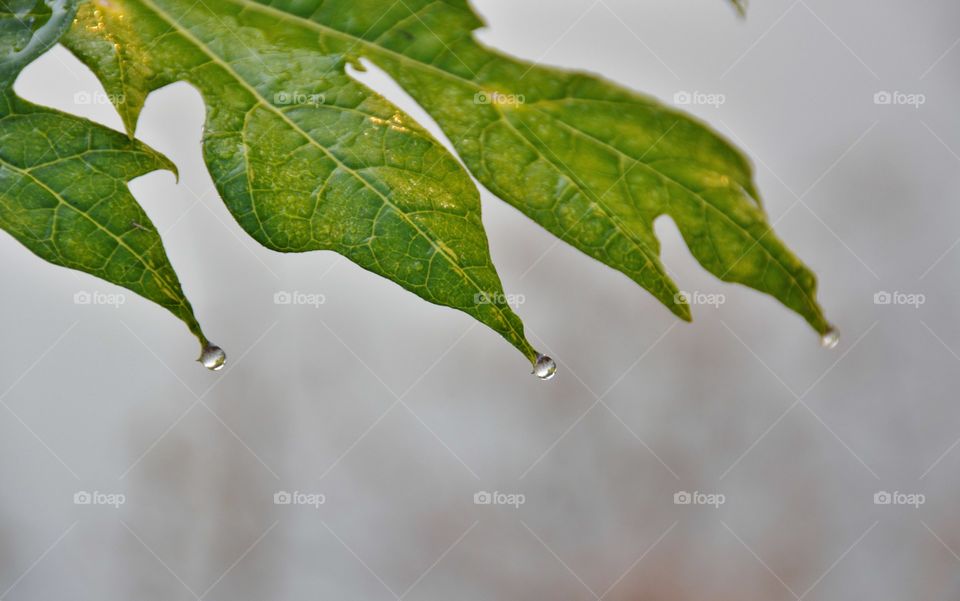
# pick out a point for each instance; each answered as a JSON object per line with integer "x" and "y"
{"x": 545, "y": 367}
{"x": 213, "y": 357}
{"x": 830, "y": 339}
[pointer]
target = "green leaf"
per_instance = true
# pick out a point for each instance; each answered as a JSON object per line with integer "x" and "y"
{"x": 63, "y": 180}
{"x": 590, "y": 161}
{"x": 305, "y": 157}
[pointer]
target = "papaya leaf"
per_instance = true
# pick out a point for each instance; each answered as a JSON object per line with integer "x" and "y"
{"x": 590, "y": 161}
{"x": 305, "y": 157}
{"x": 63, "y": 180}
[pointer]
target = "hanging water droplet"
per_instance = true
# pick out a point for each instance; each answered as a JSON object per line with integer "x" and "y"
{"x": 213, "y": 357}
{"x": 830, "y": 338}
{"x": 545, "y": 367}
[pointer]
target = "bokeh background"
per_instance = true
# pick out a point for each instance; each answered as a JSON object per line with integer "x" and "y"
{"x": 398, "y": 412}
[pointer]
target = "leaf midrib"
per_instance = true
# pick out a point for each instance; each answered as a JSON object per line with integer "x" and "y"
{"x": 757, "y": 241}
{"x": 119, "y": 240}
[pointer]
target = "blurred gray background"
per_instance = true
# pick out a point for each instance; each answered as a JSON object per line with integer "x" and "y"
{"x": 398, "y": 412}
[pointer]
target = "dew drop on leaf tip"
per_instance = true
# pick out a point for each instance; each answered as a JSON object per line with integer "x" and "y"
{"x": 213, "y": 357}
{"x": 830, "y": 339}
{"x": 545, "y": 367}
